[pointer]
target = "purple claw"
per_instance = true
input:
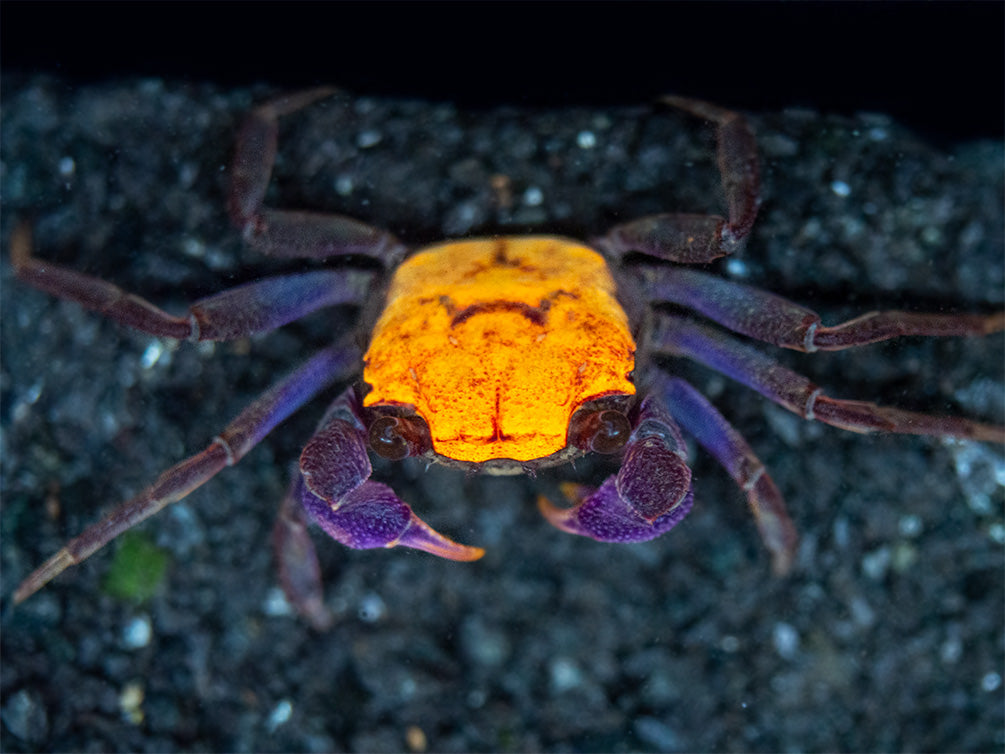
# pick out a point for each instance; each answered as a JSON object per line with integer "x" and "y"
{"x": 373, "y": 516}
{"x": 606, "y": 517}
{"x": 336, "y": 491}
{"x": 653, "y": 479}
{"x": 648, "y": 497}
{"x": 335, "y": 461}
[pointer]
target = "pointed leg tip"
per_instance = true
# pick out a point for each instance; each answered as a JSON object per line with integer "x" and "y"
{"x": 20, "y": 595}
{"x": 319, "y": 617}
{"x": 43, "y": 575}
{"x": 781, "y": 563}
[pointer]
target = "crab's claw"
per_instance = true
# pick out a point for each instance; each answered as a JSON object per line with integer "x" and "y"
{"x": 336, "y": 491}
{"x": 372, "y": 516}
{"x": 648, "y": 496}
{"x": 603, "y": 515}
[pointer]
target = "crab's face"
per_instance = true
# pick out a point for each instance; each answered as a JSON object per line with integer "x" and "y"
{"x": 497, "y": 342}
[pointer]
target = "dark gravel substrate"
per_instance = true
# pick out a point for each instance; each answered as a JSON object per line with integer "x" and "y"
{"x": 888, "y": 636}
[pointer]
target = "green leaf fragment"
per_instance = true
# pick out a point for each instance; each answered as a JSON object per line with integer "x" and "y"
{"x": 137, "y": 569}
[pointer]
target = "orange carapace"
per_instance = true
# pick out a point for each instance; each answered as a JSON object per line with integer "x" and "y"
{"x": 497, "y": 341}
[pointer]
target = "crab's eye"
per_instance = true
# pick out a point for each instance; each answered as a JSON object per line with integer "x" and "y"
{"x": 397, "y": 437}
{"x": 604, "y": 431}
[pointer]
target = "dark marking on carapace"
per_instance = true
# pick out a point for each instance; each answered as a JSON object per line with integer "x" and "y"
{"x": 497, "y": 433}
{"x": 538, "y": 315}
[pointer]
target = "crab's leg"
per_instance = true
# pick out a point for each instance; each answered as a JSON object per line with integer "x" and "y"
{"x": 359, "y": 513}
{"x": 297, "y": 560}
{"x": 284, "y": 233}
{"x": 773, "y": 319}
{"x": 648, "y": 496}
{"x": 226, "y": 449}
{"x": 235, "y": 313}
{"x": 701, "y": 420}
{"x": 745, "y": 364}
{"x": 695, "y": 239}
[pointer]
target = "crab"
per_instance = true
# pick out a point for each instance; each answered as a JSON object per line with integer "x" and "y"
{"x": 502, "y": 355}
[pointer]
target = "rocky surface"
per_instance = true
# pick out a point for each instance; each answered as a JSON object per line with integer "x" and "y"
{"x": 888, "y": 635}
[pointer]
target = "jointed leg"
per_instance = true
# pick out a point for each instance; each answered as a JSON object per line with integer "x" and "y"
{"x": 701, "y": 420}
{"x": 745, "y": 364}
{"x": 226, "y": 449}
{"x": 773, "y": 319}
{"x": 236, "y": 313}
{"x": 285, "y": 233}
{"x": 297, "y": 560}
{"x": 696, "y": 239}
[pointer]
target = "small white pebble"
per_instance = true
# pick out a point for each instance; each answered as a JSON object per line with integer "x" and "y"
{"x": 842, "y": 532}
{"x": 951, "y": 650}
{"x": 876, "y": 563}
{"x": 905, "y": 555}
{"x": 280, "y": 714}
{"x": 188, "y": 173}
{"x": 909, "y": 525}
{"x": 34, "y": 392}
{"x": 371, "y": 608}
{"x": 276, "y": 605}
{"x": 565, "y": 674}
{"x": 344, "y": 185}
{"x": 863, "y": 615}
{"x": 193, "y": 247}
{"x": 991, "y": 681}
{"x": 67, "y": 167}
{"x": 737, "y": 268}
{"x": 368, "y": 138}
{"x": 131, "y": 702}
{"x": 407, "y": 687}
{"x": 586, "y": 140}
{"x": 137, "y": 633}
{"x": 533, "y": 197}
{"x": 152, "y": 355}
{"x": 785, "y": 639}
{"x": 931, "y": 236}
{"x": 840, "y": 188}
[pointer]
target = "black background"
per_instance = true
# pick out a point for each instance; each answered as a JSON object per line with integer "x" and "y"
{"x": 936, "y": 66}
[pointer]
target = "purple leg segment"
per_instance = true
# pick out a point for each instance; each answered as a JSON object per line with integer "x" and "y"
{"x": 747, "y": 365}
{"x": 649, "y": 495}
{"x": 359, "y": 513}
{"x": 701, "y": 420}
{"x": 776, "y": 320}
{"x": 255, "y": 153}
{"x": 267, "y": 304}
{"x": 226, "y": 449}
{"x": 297, "y": 560}
{"x": 696, "y": 239}
{"x": 236, "y": 313}
{"x": 283, "y": 233}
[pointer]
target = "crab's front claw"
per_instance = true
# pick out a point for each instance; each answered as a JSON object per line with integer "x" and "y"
{"x": 605, "y": 516}
{"x": 372, "y": 516}
{"x": 335, "y": 461}
{"x": 648, "y": 496}
{"x": 654, "y": 480}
